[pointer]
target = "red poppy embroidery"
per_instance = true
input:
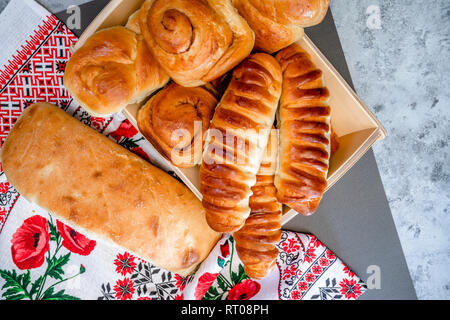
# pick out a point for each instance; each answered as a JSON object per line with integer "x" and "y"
{"x": 310, "y": 255}
{"x": 317, "y": 269}
{"x": 204, "y": 283}
{"x": 179, "y": 297}
{"x": 225, "y": 249}
{"x": 74, "y": 241}
{"x": 124, "y": 289}
{"x": 181, "y": 282}
{"x": 310, "y": 277}
{"x": 244, "y": 290}
{"x": 141, "y": 153}
{"x": 296, "y": 295}
{"x": 324, "y": 262}
{"x": 303, "y": 286}
{"x": 4, "y": 187}
{"x": 125, "y": 263}
{"x": 125, "y": 129}
{"x": 330, "y": 255}
{"x": 30, "y": 242}
{"x": 350, "y": 288}
{"x": 144, "y": 298}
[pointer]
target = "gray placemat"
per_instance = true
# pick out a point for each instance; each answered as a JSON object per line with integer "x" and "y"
{"x": 354, "y": 219}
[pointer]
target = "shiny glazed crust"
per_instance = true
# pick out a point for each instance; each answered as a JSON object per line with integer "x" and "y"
{"x": 304, "y": 115}
{"x": 111, "y": 70}
{"x": 175, "y": 120}
{"x": 279, "y": 23}
{"x": 196, "y": 41}
{"x": 236, "y": 141}
{"x": 256, "y": 241}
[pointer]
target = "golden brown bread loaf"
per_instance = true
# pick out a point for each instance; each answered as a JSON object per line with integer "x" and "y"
{"x": 279, "y": 23}
{"x": 236, "y": 141}
{"x": 195, "y": 41}
{"x": 256, "y": 241}
{"x": 94, "y": 184}
{"x": 175, "y": 120}
{"x": 304, "y": 115}
{"x": 111, "y": 70}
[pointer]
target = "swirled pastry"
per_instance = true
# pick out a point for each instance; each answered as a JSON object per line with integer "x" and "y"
{"x": 304, "y": 115}
{"x": 175, "y": 120}
{"x": 279, "y": 23}
{"x": 195, "y": 41}
{"x": 236, "y": 141}
{"x": 256, "y": 241}
{"x": 111, "y": 70}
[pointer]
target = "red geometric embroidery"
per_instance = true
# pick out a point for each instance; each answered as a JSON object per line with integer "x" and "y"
{"x": 35, "y": 74}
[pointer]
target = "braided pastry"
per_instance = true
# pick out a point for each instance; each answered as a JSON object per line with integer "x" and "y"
{"x": 236, "y": 141}
{"x": 304, "y": 154}
{"x": 279, "y": 23}
{"x": 112, "y": 69}
{"x": 175, "y": 119}
{"x": 256, "y": 241}
{"x": 195, "y": 41}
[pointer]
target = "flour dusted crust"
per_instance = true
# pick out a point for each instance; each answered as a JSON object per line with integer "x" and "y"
{"x": 96, "y": 185}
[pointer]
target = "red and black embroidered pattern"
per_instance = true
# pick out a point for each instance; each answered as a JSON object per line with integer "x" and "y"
{"x": 142, "y": 280}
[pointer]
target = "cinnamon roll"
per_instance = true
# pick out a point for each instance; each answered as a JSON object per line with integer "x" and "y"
{"x": 196, "y": 41}
{"x": 112, "y": 69}
{"x": 175, "y": 119}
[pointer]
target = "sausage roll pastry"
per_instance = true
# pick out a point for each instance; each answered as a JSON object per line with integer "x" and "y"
{"x": 304, "y": 123}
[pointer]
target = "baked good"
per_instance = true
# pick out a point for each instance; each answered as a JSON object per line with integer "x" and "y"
{"x": 236, "y": 141}
{"x": 95, "y": 185}
{"x": 279, "y": 23}
{"x": 133, "y": 23}
{"x": 304, "y": 123}
{"x": 175, "y": 120}
{"x": 112, "y": 69}
{"x": 196, "y": 41}
{"x": 334, "y": 142}
{"x": 256, "y": 241}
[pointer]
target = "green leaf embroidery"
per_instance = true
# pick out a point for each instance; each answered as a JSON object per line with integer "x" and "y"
{"x": 55, "y": 266}
{"x": 36, "y": 285}
{"x": 60, "y": 295}
{"x": 16, "y": 285}
{"x": 221, "y": 283}
{"x": 234, "y": 277}
{"x": 129, "y": 143}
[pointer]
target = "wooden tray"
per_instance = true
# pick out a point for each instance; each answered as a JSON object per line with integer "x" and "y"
{"x": 356, "y": 126}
